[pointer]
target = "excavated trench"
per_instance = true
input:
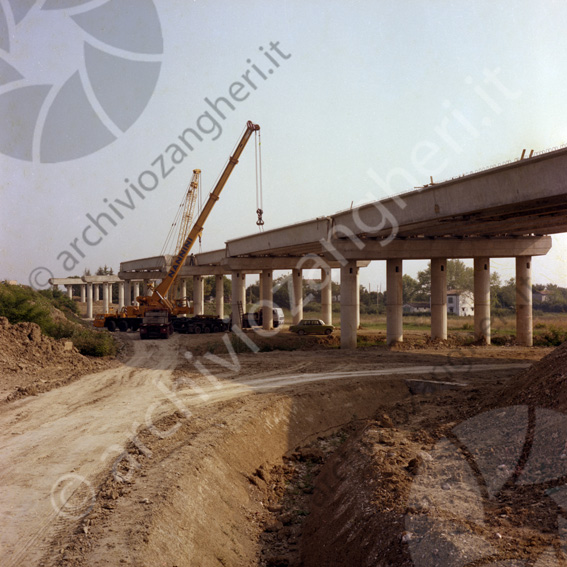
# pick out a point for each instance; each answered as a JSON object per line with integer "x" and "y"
{"x": 205, "y": 496}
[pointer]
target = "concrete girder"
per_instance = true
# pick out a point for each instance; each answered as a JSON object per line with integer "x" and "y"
{"x": 66, "y": 281}
{"x": 426, "y": 248}
{"x": 311, "y": 262}
{"x": 490, "y": 202}
{"x": 101, "y": 279}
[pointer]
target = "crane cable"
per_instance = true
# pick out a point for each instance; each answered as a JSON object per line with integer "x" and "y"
{"x": 259, "y": 192}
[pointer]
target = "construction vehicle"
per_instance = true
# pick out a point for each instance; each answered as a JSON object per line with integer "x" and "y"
{"x": 255, "y": 318}
{"x": 130, "y": 317}
{"x": 156, "y": 324}
{"x": 201, "y": 324}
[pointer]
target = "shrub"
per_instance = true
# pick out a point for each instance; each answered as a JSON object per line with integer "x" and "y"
{"x": 60, "y": 300}
{"x": 18, "y": 304}
{"x": 23, "y": 304}
{"x": 94, "y": 343}
{"x": 552, "y": 337}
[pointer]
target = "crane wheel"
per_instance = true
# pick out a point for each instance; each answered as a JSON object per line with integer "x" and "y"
{"x": 111, "y": 326}
{"x": 122, "y": 326}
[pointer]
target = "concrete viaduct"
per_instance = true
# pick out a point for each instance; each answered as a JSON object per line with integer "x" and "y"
{"x": 502, "y": 212}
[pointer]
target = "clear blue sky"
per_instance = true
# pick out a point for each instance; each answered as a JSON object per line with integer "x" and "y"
{"x": 359, "y": 86}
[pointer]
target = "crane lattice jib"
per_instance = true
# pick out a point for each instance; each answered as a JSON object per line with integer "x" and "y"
{"x": 163, "y": 287}
{"x": 189, "y": 208}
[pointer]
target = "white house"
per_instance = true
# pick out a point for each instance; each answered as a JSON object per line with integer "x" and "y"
{"x": 460, "y": 302}
{"x": 416, "y": 307}
{"x": 541, "y": 296}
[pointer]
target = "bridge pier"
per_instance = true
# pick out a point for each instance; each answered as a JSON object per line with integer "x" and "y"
{"x": 198, "y": 295}
{"x": 326, "y": 296}
{"x": 183, "y": 289}
{"x": 350, "y": 306}
{"x": 394, "y": 302}
{"x": 237, "y": 285}
{"x": 297, "y": 296}
{"x": 219, "y": 296}
{"x": 96, "y": 290}
{"x": 105, "y": 298}
{"x": 482, "y": 329}
{"x": 83, "y": 293}
{"x": 89, "y": 300}
{"x": 120, "y": 295}
{"x": 267, "y": 300}
{"x": 438, "y": 298}
{"x": 524, "y": 331}
{"x": 127, "y": 292}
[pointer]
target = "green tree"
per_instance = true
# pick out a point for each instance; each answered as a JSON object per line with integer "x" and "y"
{"x": 459, "y": 276}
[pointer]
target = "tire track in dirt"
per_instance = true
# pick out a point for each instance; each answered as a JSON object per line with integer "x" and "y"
{"x": 70, "y": 431}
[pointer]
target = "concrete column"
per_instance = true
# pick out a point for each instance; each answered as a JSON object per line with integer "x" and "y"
{"x": 183, "y": 287}
{"x": 136, "y": 291}
{"x": 96, "y": 292}
{"x": 357, "y": 300}
{"x": 296, "y": 299}
{"x": 105, "y": 294}
{"x": 237, "y": 285}
{"x": 198, "y": 295}
{"x": 482, "y": 330}
{"x": 69, "y": 291}
{"x": 394, "y": 302}
{"x": 144, "y": 287}
{"x": 89, "y": 301}
{"x": 127, "y": 292}
{"x": 524, "y": 331}
{"x": 439, "y": 298}
{"x": 243, "y": 292}
{"x": 219, "y": 295}
{"x": 261, "y": 287}
{"x": 120, "y": 295}
{"x": 349, "y": 304}
{"x": 326, "y": 296}
{"x": 268, "y": 298}
{"x": 83, "y": 292}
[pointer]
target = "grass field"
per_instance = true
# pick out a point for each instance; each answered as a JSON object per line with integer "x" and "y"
{"x": 548, "y": 329}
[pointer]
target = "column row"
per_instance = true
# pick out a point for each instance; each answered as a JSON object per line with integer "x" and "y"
{"x": 394, "y": 301}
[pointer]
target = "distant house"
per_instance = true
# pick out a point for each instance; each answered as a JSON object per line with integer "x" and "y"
{"x": 460, "y": 303}
{"x": 417, "y": 307}
{"x": 541, "y": 296}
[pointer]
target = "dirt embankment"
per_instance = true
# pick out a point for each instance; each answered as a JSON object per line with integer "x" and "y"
{"x": 32, "y": 363}
{"x": 182, "y": 467}
{"x": 233, "y": 483}
{"x": 480, "y": 478}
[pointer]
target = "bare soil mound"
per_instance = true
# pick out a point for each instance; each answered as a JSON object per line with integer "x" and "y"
{"x": 32, "y": 363}
{"x": 544, "y": 384}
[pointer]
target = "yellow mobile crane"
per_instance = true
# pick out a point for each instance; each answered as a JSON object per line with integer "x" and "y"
{"x": 131, "y": 316}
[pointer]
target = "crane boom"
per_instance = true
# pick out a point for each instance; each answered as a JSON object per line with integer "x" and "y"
{"x": 162, "y": 289}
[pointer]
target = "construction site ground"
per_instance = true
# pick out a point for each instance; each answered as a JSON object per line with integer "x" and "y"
{"x": 207, "y": 451}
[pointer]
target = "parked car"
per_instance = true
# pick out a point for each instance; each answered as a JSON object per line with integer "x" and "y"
{"x": 312, "y": 327}
{"x": 156, "y": 325}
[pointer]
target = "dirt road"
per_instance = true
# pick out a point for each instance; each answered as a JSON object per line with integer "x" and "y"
{"x": 55, "y": 447}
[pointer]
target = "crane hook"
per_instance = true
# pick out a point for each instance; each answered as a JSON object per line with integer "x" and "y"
{"x": 260, "y": 221}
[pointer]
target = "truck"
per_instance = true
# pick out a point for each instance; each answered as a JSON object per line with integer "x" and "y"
{"x": 201, "y": 324}
{"x": 130, "y": 317}
{"x": 156, "y": 324}
{"x": 255, "y": 319}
